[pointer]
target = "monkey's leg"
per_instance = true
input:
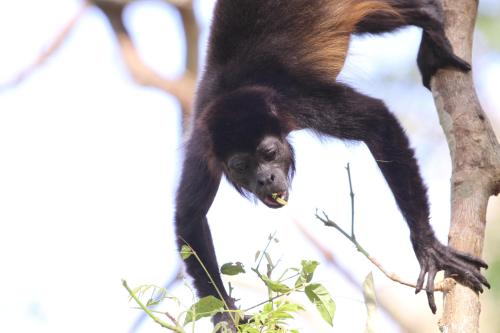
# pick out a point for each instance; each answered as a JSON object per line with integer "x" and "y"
{"x": 435, "y": 49}
{"x": 342, "y": 112}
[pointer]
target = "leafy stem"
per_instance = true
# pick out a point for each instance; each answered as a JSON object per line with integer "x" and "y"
{"x": 150, "y": 313}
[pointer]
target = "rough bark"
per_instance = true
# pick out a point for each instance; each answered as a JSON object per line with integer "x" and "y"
{"x": 475, "y": 155}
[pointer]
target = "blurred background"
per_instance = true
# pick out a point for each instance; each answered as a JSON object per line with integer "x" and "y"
{"x": 92, "y": 109}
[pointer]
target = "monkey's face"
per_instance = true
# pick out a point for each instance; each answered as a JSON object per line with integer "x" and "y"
{"x": 264, "y": 171}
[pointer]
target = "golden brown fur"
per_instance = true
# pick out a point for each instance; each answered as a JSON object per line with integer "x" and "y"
{"x": 327, "y": 41}
{"x": 305, "y": 36}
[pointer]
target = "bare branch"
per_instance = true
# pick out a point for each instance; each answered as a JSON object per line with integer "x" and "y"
{"x": 352, "y": 237}
{"x": 475, "y": 154}
{"x": 49, "y": 50}
{"x": 391, "y": 275}
{"x": 330, "y": 259}
{"x": 191, "y": 36}
{"x": 182, "y": 88}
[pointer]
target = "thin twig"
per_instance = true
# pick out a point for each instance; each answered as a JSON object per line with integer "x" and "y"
{"x": 393, "y": 276}
{"x": 48, "y": 51}
{"x": 270, "y": 239}
{"x": 270, "y": 299}
{"x": 149, "y": 312}
{"x": 177, "y": 277}
{"x": 351, "y": 193}
{"x": 352, "y": 237}
{"x": 330, "y": 259}
{"x": 169, "y": 316}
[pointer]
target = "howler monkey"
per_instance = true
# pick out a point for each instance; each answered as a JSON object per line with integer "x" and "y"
{"x": 271, "y": 69}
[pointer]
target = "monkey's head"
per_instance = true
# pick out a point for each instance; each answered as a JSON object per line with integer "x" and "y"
{"x": 249, "y": 141}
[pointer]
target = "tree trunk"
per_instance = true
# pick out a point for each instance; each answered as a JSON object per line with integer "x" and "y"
{"x": 475, "y": 155}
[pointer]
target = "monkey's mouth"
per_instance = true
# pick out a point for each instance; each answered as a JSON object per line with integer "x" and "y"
{"x": 276, "y": 199}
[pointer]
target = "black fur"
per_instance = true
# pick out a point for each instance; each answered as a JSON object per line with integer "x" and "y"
{"x": 257, "y": 84}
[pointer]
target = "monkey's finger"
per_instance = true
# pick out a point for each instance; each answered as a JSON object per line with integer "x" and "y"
{"x": 459, "y": 63}
{"x": 478, "y": 262}
{"x": 430, "y": 289}
{"x": 468, "y": 273}
{"x": 420, "y": 280}
{"x": 476, "y": 281}
{"x": 432, "y": 302}
{"x": 245, "y": 319}
{"x": 484, "y": 281}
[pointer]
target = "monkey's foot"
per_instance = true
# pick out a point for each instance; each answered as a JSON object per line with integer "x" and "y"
{"x": 435, "y": 49}
{"x": 436, "y": 52}
{"x": 434, "y": 257}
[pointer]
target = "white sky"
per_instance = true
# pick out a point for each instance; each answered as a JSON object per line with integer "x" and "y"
{"x": 89, "y": 165}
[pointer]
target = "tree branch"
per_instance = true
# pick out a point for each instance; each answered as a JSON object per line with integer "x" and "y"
{"x": 49, "y": 50}
{"x": 475, "y": 155}
{"x": 191, "y": 36}
{"x": 182, "y": 88}
{"x": 390, "y": 275}
{"x": 330, "y": 259}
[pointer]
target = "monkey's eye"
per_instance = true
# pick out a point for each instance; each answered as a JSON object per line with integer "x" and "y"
{"x": 238, "y": 165}
{"x": 269, "y": 154}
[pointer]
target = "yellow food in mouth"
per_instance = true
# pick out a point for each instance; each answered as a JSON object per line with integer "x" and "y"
{"x": 276, "y": 197}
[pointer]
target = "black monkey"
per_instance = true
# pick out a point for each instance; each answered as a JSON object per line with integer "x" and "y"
{"x": 271, "y": 69}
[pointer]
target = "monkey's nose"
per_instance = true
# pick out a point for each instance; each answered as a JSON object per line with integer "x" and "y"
{"x": 266, "y": 180}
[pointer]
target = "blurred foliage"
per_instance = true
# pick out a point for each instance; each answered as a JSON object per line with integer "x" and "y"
{"x": 490, "y": 27}
{"x": 493, "y": 275}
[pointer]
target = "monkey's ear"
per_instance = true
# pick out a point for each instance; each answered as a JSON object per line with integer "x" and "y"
{"x": 272, "y": 104}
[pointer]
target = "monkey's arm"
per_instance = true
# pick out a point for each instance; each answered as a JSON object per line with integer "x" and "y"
{"x": 196, "y": 192}
{"x": 340, "y": 111}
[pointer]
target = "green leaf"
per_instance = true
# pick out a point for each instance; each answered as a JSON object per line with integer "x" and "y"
{"x": 205, "y": 307}
{"x": 269, "y": 259}
{"x": 257, "y": 255}
{"x": 152, "y": 302}
{"x": 300, "y": 282}
{"x": 275, "y": 286}
{"x": 277, "y": 315}
{"x": 186, "y": 252}
{"x": 308, "y": 268}
{"x": 320, "y": 297}
{"x": 370, "y": 302}
{"x": 291, "y": 307}
{"x": 307, "y": 272}
{"x": 232, "y": 268}
{"x": 156, "y": 294}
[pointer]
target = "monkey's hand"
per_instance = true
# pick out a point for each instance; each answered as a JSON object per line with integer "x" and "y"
{"x": 225, "y": 322}
{"x": 434, "y": 257}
